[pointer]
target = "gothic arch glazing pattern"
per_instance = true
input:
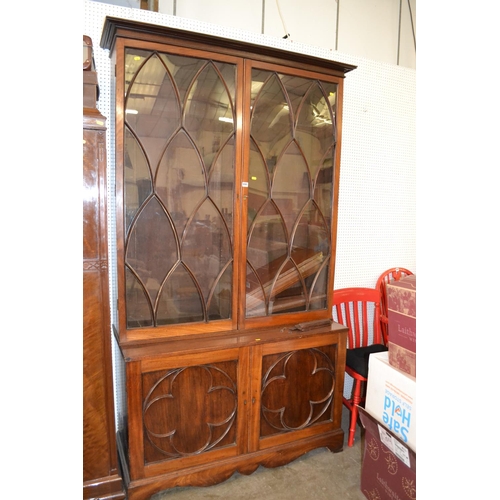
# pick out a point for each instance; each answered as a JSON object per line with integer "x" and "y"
{"x": 290, "y": 200}
{"x": 179, "y": 165}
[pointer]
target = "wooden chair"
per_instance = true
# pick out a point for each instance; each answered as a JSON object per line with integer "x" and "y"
{"x": 393, "y": 274}
{"x": 359, "y": 310}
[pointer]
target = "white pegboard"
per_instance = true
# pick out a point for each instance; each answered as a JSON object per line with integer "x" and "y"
{"x": 377, "y": 196}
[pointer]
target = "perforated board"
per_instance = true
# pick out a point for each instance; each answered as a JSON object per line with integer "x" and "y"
{"x": 377, "y": 197}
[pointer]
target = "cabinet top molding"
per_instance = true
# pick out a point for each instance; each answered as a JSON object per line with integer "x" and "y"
{"x": 124, "y": 28}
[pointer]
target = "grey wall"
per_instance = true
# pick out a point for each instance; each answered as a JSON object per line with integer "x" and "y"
{"x": 382, "y": 30}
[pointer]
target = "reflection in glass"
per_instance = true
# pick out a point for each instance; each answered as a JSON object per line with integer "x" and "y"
{"x": 271, "y": 120}
{"x": 258, "y": 183}
{"x": 152, "y": 108}
{"x": 138, "y": 183}
{"x": 206, "y": 247}
{"x": 219, "y": 304}
{"x": 139, "y": 311}
{"x": 290, "y": 200}
{"x": 179, "y": 188}
{"x": 151, "y": 250}
{"x": 315, "y": 130}
{"x": 291, "y": 185}
{"x": 208, "y": 113}
{"x": 180, "y": 301}
{"x": 317, "y": 287}
{"x": 221, "y": 183}
{"x": 180, "y": 183}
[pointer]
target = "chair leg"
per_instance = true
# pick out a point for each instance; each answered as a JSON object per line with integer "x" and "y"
{"x": 356, "y": 399}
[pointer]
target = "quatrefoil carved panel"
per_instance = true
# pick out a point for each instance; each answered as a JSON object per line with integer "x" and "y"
{"x": 297, "y": 389}
{"x": 190, "y": 410}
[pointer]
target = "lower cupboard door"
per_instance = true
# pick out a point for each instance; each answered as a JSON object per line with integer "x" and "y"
{"x": 299, "y": 394}
{"x": 189, "y": 415}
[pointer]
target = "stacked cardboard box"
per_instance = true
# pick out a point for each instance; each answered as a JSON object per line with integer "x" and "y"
{"x": 389, "y": 466}
{"x": 389, "y": 416}
{"x": 402, "y": 326}
{"x": 389, "y": 419}
{"x": 391, "y": 398}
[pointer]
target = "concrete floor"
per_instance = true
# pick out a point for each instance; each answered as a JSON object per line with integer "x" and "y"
{"x": 318, "y": 475}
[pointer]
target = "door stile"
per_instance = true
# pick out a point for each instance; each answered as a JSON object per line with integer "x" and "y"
{"x": 254, "y": 400}
{"x": 135, "y": 426}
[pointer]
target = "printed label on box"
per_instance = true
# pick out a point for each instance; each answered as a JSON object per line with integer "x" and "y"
{"x": 402, "y": 453}
{"x": 397, "y": 411}
{"x": 394, "y": 445}
{"x": 385, "y": 437}
{"x": 402, "y": 330}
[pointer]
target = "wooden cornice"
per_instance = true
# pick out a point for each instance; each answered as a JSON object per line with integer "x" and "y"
{"x": 116, "y": 27}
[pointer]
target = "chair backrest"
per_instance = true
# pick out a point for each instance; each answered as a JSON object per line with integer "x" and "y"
{"x": 392, "y": 274}
{"x": 359, "y": 310}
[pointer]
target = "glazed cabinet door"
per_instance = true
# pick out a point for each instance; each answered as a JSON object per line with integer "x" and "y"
{"x": 186, "y": 411}
{"x": 292, "y": 172}
{"x": 297, "y": 387}
{"x": 177, "y": 168}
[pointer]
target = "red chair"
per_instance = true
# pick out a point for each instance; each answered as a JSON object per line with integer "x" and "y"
{"x": 359, "y": 310}
{"x": 393, "y": 274}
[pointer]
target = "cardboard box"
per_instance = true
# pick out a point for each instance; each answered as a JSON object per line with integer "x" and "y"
{"x": 402, "y": 323}
{"x": 391, "y": 398}
{"x": 389, "y": 466}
